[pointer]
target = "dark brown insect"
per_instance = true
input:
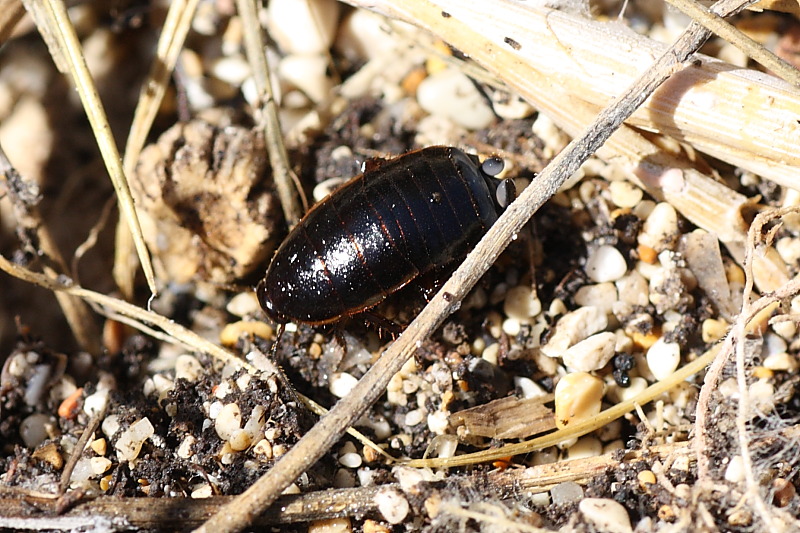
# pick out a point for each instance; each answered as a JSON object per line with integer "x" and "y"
{"x": 401, "y": 218}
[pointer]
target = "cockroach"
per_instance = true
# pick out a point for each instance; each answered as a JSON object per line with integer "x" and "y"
{"x": 401, "y": 218}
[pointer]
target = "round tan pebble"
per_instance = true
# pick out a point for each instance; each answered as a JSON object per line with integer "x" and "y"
{"x": 646, "y": 477}
{"x": 373, "y": 526}
{"x": 433, "y": 505}
{"x": 230, "y": 334}
{"x": 625, "y": 194}
{"x": 607, "y": 515}
{"x": 331, "y": 525}
{"x": 781, "y": 362}
{"x": 263, "y": 448}
{"x": 783, "y": 491}
{"x": 239, "y": 440}
{"x": 666, "y": 513}
{"x": 578, "y": 396}
{"x": 521, "y": 303}
{"x": 100, "y": 465}
{"x": 587, "y": 446}
{"x": 100, "y": 446}
{"x": 740, "y": 518}
{"x": 761, "y": 372}
{"x": 714, "y": 329}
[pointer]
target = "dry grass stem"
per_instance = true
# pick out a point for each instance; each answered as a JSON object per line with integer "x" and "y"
{"x": 170, "y": 43}
{"x": 267, "y": 115}
{"x": 54, "y": 24}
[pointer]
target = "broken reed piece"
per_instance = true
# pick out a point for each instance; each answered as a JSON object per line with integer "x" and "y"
{"x": 563, "y": 90}
{"x": 739, "y": 115}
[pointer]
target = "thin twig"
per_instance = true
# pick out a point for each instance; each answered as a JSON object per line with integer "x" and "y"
{"x": 31, "y": 227}
{"x": 54, "y": 23}
{"x": 77, "y": 451}
{"x": 327, "y": 431}
{"x": 173, "y": 35}
{"x": 267, "y": 115}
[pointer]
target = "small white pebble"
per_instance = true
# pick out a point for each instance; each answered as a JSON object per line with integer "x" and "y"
{"x": 574, "y": 327}
{"x": 33, "y": 429}
{"x": 130, "y": 441}
{"x": 633, "y": 289}
{"x": 228, "y": 420}
{"x": 512, "y": 327}
{"x": 605, "y": 263}
{"x": 414, "y": 417}
{"x": 223, "y": 389}
{"x": 185, "y": 448}
{"x": 592, "y": 353}
{"x": 392, "y": 504}
{"x": 110, "y": 425}
{"x": 528, "y": 388}
{"x": 637, "y": 386}
{"x": 214, "y": 409}
{"x": 606, "y": 515}
{"x": 772, "y": 344}
{"x": 341, "y": 384}
{"x": 578, "y": 396}
{"x": 351, "y": 460}
{"x": 325, "y": 188}
{"x": 243, "y": 304}
{"x": 438, "y": 422}
{"x": 231, "y": 69}
{"x": 95, "y": 403}
{"x": 663, "y": 358}
{"x": 762, "y": 395}
{"x": 734, "y": 472}
{"x": 203, "y": 490}
{"x": 566, "y": 493}
{"x": 602, "y": 295}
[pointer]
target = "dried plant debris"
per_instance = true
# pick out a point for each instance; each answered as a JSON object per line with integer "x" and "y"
{"x": 206, "y": 204}
{"x": 609, "y": 290}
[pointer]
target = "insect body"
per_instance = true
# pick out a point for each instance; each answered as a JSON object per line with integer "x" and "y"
{"x": 399, "y": 219}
